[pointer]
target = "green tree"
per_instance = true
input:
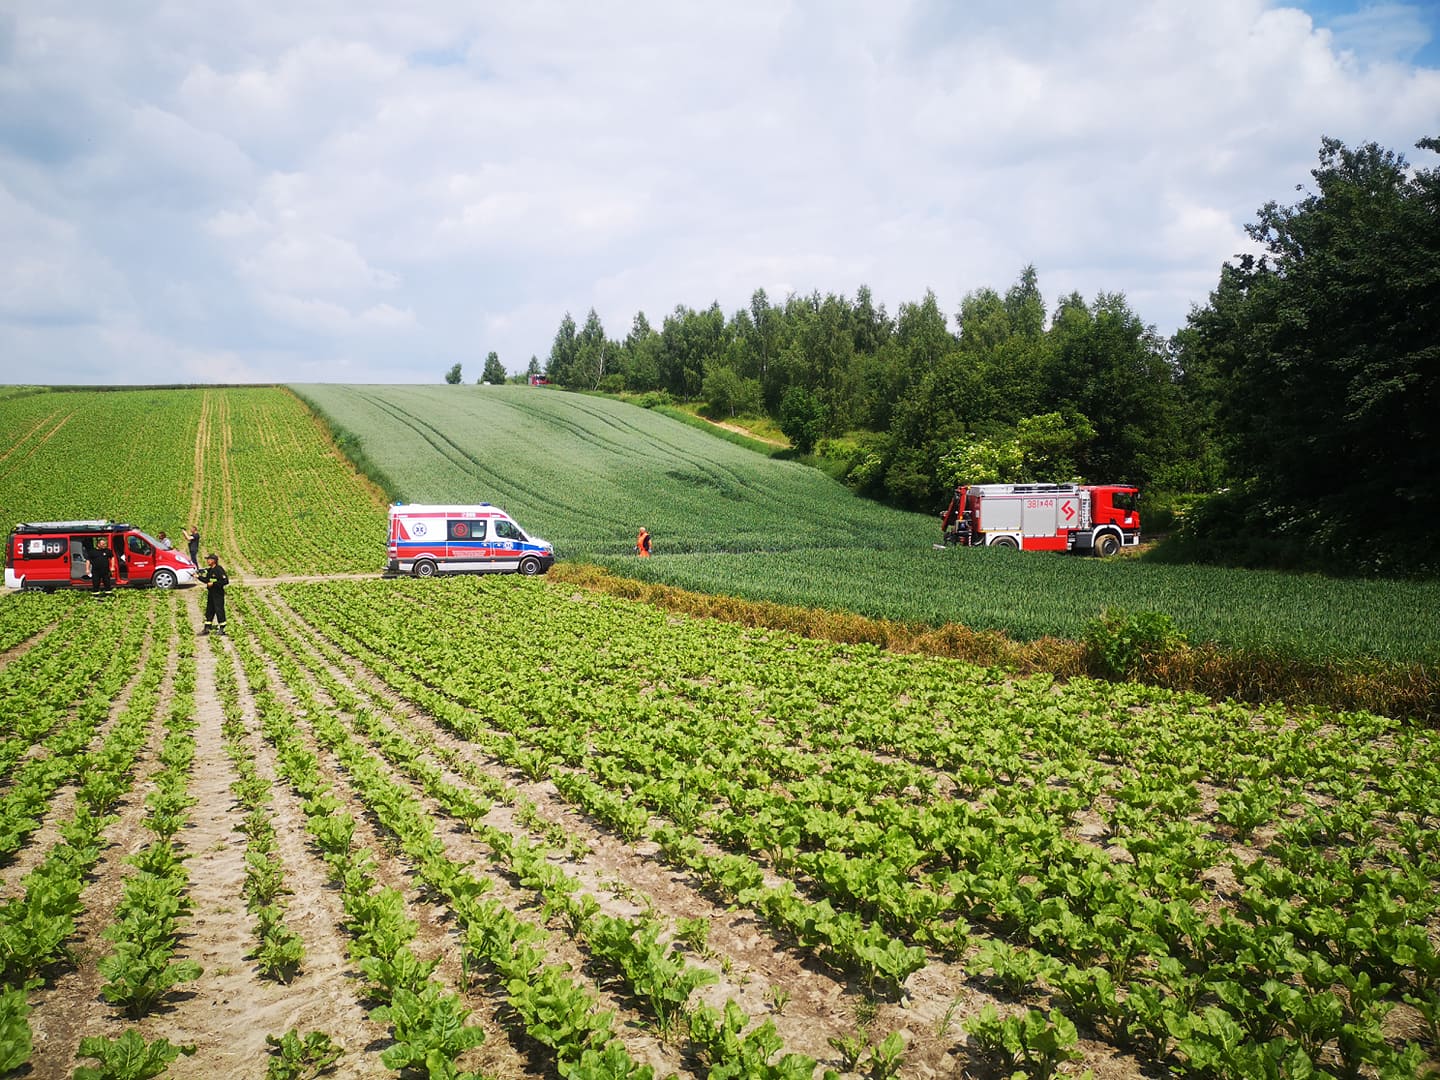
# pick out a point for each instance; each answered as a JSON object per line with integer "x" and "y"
{"x": 689, "y": 340}
{"x": 1325, "y": 354}
{"x": 1039, "y": 449}
{"x": 494, "y": 373}
{"x": 453, "y": 375}
{"x": 640, "y": 355}
{"x": 1107, "y": 364}
{"x": 872, "y": 327}
{"x": 1025, "y": 305}
{"x": 560, "y": 368}
{"x": 593, "y": 354}
{"x": 802, "y": 418}
{"x": 726, "y": 393}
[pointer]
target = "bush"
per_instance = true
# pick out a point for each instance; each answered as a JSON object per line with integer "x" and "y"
{"x": 802, "y": 418}
{"x": 1123, "y": 644}
{"x": 654, "y": 398}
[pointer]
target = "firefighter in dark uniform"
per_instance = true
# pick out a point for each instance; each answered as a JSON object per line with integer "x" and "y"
{"x": 215, "y": 580}
{"x": 98, "y": 556}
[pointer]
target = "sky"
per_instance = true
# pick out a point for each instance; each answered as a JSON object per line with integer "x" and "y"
{"x": 340, "y": 191}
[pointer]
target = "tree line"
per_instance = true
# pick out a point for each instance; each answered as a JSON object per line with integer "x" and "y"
{"x": 1293, "y": 418}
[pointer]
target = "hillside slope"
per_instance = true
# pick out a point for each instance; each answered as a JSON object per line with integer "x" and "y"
{"x": 585, "y": 472}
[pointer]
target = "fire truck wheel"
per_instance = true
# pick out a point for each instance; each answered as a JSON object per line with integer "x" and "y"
{"x": 529, "y": 567}
{"x": 1004, "y": 542}
{"x": 424, "y": 568}
{"x": 1106, "y": 545}
{"x": 164, "y": 579}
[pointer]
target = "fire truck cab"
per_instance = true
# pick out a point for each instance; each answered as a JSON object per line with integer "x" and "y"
{"x": 52, "y": 555}
{"x": 1098, "y": 519}
{"x": 429, "y": 539}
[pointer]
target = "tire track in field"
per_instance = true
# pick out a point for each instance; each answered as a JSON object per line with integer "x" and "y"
{"x": 230, "y": 539}
{"x": 197, "y": 476}
{"x": 35, "y": 447}
{"x": 717, "y": 473}
{"x": 27, "y": 435}
{"x": 671, "y": 457}
{"x": 459, "y": 456}
{"x": 230, "y": 1009}
{"x": 683, "y": 453}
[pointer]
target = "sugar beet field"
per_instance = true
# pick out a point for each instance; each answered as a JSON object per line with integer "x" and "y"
{"x": 506, "y": 828}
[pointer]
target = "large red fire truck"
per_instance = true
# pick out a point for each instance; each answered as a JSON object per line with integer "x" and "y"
{"x": 1096, "y": 518}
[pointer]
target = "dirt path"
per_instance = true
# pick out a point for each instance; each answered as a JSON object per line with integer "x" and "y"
{"x": 202, "y": 442}
{"x": 230, "y": 539}
{"x": 229, "y": 1011}
{"x": 738, "y": 430}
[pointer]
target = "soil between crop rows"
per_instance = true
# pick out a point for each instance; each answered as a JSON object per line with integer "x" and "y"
{"x": 228, "y": 1012}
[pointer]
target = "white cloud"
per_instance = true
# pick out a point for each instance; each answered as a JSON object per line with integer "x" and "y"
{"x": 332, "y": 191}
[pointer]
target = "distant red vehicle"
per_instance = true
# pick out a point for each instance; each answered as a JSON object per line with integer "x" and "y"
{"x": 539, "y": 380}
{"x": 1096, "y": 518}
{"x": 51, "y": 555}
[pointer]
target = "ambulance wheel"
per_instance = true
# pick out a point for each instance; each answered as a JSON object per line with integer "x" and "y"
{"x": 1106, "y": 545}
{"x": 424, "y": 568}
{"x": 1005, "y": 542}
{"x": 529, "y": 567}
{"x": 164, "y": 579}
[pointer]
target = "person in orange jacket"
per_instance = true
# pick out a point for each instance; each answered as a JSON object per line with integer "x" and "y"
{"x": 642, "y": 543}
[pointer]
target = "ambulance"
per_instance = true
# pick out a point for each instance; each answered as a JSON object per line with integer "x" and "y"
{"x": 51, "y": 555}
{"x": 429, "y": 539}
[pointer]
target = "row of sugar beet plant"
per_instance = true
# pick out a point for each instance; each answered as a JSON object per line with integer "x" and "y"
{"x": 401, "y": 776}
{"x": 1217, "y": 891}
{"x": 87, "y": 724}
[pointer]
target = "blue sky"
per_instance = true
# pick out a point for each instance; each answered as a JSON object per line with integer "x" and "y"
{"x": 1407, "y": 33}
{"x": 334, "y": 191}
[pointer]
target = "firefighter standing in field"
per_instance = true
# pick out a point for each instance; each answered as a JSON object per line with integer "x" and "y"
{"x": 215, "y": 580}
{"x": 642, "y": 543}
{"x": 98, "y": 556}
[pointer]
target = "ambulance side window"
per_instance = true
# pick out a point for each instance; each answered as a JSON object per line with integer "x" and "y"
{"x": 465, "y": 530}
{"x": 508, "y": 530}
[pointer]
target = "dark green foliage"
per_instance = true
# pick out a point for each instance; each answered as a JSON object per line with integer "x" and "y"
{"x": 1120, "y": 643}
{"x": 293, "y": 1057}
{"x": 129, "y": 1057}
{"x": 494, "y": 372}
{"x": 1324, "y": 356}
{"x": 802, "y": 418}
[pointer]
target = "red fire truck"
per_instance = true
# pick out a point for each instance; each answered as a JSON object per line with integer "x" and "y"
{"x": 1096, "y": 518}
